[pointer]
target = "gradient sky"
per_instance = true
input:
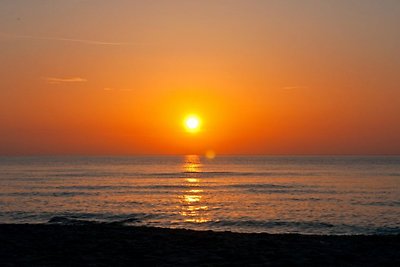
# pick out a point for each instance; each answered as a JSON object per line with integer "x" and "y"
{"x": 101, "y": 77}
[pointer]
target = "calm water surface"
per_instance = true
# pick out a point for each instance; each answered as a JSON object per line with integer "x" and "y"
{"x": 308, "y": 195}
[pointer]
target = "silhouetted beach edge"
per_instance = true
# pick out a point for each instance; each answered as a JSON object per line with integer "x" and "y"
{"x": 116, "y": 245}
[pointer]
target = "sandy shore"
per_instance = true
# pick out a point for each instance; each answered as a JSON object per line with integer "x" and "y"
{"x": 111, "y": 245}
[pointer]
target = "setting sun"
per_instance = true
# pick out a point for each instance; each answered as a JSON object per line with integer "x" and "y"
{"x": 178, "y": 131}
{"x": 192, "y": 123}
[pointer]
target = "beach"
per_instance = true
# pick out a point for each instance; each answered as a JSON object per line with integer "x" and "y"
{"x": 190, "y": 211}
{"x": 199, "y": 133}
{"x": 89, "y": 244}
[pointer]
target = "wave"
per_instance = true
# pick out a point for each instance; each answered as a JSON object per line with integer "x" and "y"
{"x": 249, "y": 188}
{"x": 196, "y": 174}
{"x": 99, "y": 218}
{"x": 77, "y": 217}
{"x": 303, "y": 227}
{"x": 263, "y": 186}
{"x": 181, "y": 174}
{"x": 78, "y": 220}
{"x": 70, "y": 221}
{"x": 382, "y": 203}
{"x": 171, "y": 221}
{"x": 50, "y": 194}
{"x": 259, "y": 223}
{"x": 216, "y": 174}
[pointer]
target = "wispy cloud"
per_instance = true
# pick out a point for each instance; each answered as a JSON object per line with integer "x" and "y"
{"x": 294, "y": 87}
{"x": 113, "y": 89}
{"x": 62, "y": 39}
{"x": 54, "y": 80}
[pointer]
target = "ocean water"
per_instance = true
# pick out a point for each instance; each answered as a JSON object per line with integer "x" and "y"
{"x": 307, "y": 195}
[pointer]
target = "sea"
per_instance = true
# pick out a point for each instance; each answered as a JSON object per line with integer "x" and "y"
{"x": 324, "y": 195}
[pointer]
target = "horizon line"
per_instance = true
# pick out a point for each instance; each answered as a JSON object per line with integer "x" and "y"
{"x": 203, "y": 154}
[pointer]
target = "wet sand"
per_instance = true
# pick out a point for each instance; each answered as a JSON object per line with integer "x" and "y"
{"x": 114, "y": 245}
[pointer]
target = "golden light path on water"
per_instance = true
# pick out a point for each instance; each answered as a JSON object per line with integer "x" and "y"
{"x": 309, "y": 195}
{"x": 193, "y": 207}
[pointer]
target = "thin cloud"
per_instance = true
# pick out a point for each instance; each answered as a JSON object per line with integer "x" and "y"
{"x": 74, "y": 40}
{"x": 294, "y": 87}
{"x": 113, "y": 89}
{"x": 54, "y": 80}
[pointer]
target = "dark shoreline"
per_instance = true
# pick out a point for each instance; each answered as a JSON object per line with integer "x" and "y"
{"x": 113, "y": 245}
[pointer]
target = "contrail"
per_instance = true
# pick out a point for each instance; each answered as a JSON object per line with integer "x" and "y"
{"x": 83, "y": 41}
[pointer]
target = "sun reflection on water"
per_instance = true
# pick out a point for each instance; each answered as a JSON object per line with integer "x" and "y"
{"x": 194, "y": 208}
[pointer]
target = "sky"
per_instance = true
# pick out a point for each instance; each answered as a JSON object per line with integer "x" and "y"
{"x": 117, "y": 77}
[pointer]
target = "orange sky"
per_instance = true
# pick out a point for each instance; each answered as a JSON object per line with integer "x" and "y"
{"x": 97, "y": 77}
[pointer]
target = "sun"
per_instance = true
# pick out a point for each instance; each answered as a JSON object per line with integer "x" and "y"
{"x": 192, "y": 123}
